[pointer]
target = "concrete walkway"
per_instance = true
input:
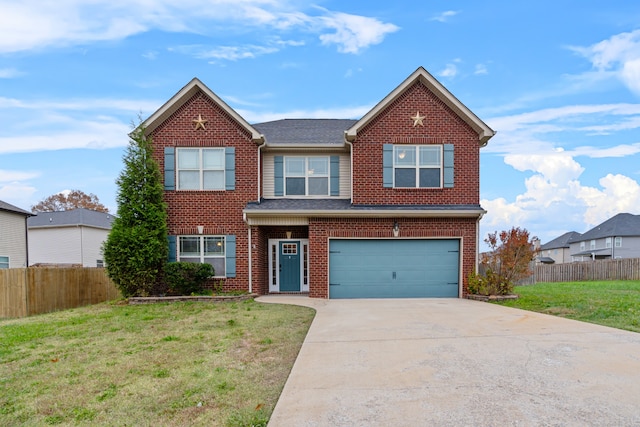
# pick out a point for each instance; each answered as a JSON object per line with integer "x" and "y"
{"x": 455, "y": 362}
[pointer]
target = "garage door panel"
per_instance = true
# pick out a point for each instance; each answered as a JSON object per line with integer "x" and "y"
{"x": 394, "y": 268}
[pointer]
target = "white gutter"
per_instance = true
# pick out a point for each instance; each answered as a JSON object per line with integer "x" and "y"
{"x": 248, "y": 214}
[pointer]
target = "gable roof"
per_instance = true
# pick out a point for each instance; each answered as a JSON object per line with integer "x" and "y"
{"x": 75, "y": 217}
{"x": 562, "y": 241}
{"x": 316, "y": 132}
{"x": 178, "y": 100}
{"x": 4, "y": 206}
{"x": 421, "y": 75}
{"x": 623, "y": 224}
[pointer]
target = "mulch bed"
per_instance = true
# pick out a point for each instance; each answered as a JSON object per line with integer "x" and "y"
{"x": 189, "y": 298}
{"x": 491, "y": 297}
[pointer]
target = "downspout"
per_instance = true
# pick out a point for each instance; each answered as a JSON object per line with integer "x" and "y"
{"x": 351, "y": 165}
{"x": 259, "y": 172}
{"x": 250, "y": 256}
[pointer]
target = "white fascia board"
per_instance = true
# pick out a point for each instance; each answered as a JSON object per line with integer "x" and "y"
{"x": 183, "y": 95}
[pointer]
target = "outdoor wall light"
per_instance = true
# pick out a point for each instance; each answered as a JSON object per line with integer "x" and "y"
{"x": 200, "y": 229}
{"x": 288, "y": 233}
{"x": 396, "y": 229}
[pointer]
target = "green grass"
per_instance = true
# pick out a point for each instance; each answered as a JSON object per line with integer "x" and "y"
{"x": 611, "y": 303}
{"x": 181, "y": 364}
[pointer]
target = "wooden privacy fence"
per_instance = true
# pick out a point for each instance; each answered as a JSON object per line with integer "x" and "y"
{"x": 615, "y": 269}
{"x": 28, "y": 291}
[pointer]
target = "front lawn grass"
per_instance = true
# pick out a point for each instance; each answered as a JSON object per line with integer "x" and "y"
{"x": 180, "y": 364}
{"x": 609, "y": 303}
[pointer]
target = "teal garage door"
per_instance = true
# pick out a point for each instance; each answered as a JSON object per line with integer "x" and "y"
{"x": 394, "y": 268}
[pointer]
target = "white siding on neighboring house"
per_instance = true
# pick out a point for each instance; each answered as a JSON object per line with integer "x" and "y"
{"x": 66, "y": 245}
{"x": 268, "y": 172}
{"x": 13, "y": 238}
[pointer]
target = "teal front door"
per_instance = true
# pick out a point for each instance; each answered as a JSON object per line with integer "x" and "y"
{"x": 289, "y": 260}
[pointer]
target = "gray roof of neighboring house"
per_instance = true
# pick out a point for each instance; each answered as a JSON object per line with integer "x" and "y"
{"x": 80, "y": 216}
{"x": 304, "y": 131}
{"x": 624, "y": 224}
{"x": 562, "y": 241}
{"x": 4, "y": 206}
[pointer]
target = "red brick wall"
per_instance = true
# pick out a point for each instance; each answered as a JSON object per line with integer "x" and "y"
{"x": 394, "y": 126}
{"x": 220, "y": 212}
{"x": 322, "y": 229}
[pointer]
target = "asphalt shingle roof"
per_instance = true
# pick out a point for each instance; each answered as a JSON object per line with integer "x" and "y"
{"x": 562, "y": 241}
{"x": 80, "y": 216}
{"x": 624, "y": 224}
{"x": 304, "y": 131}
{"x": 10, "y": 208}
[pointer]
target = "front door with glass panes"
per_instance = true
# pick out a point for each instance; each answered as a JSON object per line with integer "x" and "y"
{"x": 288, "y": 265}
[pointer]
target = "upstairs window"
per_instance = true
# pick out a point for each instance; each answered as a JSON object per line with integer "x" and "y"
{"x": 417, "y": 166}
{"x": 200, "y": 168}
{"x": 592, "y": 244}
{"x": 608, "y": 242}
{"x": 618, "y": 242}
{"x": 306, "y": 176}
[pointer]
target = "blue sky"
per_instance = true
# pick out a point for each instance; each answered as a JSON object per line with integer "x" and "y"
{"x": 559, "y": 81}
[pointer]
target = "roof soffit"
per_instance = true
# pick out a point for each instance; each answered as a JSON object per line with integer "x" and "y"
{"x": 180, "y": 98}
{"x": 423, "y": 76}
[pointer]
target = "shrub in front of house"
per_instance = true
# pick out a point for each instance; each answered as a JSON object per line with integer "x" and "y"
{"x": 186, "y": 278}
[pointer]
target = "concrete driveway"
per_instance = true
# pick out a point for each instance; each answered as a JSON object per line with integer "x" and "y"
{"x": 455, "y": 362}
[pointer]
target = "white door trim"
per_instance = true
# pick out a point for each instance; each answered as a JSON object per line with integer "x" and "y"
{"x": 274, "y": 262}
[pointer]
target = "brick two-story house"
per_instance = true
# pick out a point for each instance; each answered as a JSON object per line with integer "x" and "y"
{"x": 384, "y": 206}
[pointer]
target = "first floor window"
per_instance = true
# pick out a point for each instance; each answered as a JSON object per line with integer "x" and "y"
{"x": 4, "y": 262}
{"x": 204, "y": 249}
{"x": 417, "y": 166}
{"x": 201, "y": 168}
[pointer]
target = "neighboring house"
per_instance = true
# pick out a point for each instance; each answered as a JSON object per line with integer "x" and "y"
{"x": 617, "y": 237}
{"x": 13, "y": 236}
{"x": 384, "y": 206}
{"x": 558, "y": 250}
{"x": 67, "y": 238}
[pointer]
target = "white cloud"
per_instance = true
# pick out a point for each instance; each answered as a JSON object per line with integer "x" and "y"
{"x": 444, "y": 16}
{"x": 17, "y": 193}
{"x": 451, "y": 70}
{"x": 32, "y": 24}
{"x": 481, "y": 69}
{"x": 9, "y": 73}
{"x": 619, "y": 193}
{"x": 11, "y": 175}
{"x": 617, "y": 56}
{"x": 354, "y": 33}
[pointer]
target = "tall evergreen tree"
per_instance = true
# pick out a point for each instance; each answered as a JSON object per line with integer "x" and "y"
{"x": 136, "y": 249}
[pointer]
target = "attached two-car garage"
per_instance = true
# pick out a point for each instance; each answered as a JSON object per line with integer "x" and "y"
{"x": 394, "y": 268}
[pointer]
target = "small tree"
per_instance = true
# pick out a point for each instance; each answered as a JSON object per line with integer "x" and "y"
{"x": 136, "y": 249}
{"x": 68, "y": 200}
{"x": 508, "y": 261}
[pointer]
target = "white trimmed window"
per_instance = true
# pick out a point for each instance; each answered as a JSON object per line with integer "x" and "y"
{"x": 417, "y": 166}
{"x": 607, "y": 242}
{"x": 4, "y": 262}
{"x": 201, "y": 168}
{"x": 618, "y": 242}
{"x": 204, "y": 249}
{"x": 592, "y": 244}
{"x": 306, "y": 176}
{"x": 582, "y": 246}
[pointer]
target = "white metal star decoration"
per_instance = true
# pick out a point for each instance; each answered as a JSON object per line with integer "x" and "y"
{"x": 417, "y": 119}
{"x": 200, "y": 122}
